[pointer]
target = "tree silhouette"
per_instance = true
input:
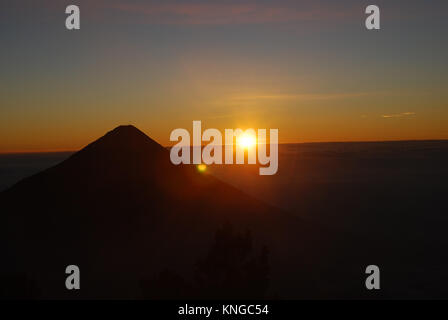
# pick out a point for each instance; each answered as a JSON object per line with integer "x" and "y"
{"x": 232, "y": 269}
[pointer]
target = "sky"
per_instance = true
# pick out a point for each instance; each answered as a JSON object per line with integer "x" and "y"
{"x": 307, "y": 68}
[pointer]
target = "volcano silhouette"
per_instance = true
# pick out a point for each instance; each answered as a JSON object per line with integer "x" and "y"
{"x": 122, "y": 212}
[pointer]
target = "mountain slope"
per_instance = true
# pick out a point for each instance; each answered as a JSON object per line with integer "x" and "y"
{"x": 122, "y": 212}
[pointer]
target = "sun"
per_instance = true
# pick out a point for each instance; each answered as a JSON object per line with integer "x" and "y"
{"x": 247, "y": 141}
{"x": 201, "y": 167}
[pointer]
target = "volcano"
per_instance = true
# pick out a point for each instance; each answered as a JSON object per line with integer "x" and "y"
{"x": 124, "y": 214}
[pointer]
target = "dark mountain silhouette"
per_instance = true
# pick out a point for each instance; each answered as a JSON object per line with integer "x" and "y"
{"x": 123, "y": 213}
{"x": 230, "y": 269}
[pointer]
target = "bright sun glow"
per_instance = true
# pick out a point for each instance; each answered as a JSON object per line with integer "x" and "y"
{"x": 247, "y": 141}
{"x": 201, "y": 167}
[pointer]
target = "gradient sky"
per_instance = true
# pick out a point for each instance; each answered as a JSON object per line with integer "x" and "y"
{"x": 308, "y": 68}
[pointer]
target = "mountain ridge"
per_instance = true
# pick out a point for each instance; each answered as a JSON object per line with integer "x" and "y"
{"x": 121, "y": 210}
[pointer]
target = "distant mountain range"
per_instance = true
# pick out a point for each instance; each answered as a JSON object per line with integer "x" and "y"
{"x": 127, "y": 217}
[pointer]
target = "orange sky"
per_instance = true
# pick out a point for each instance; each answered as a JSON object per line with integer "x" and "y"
{"x": 310, "y": 70}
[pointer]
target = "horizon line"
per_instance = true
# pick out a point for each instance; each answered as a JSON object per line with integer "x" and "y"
{"x": 10, "y": 152}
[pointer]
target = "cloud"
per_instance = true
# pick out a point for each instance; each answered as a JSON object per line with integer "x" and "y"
{"x": 303, "y": 96}
{"x": 241, "y": 12}
{"x": 399, "y": 115}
